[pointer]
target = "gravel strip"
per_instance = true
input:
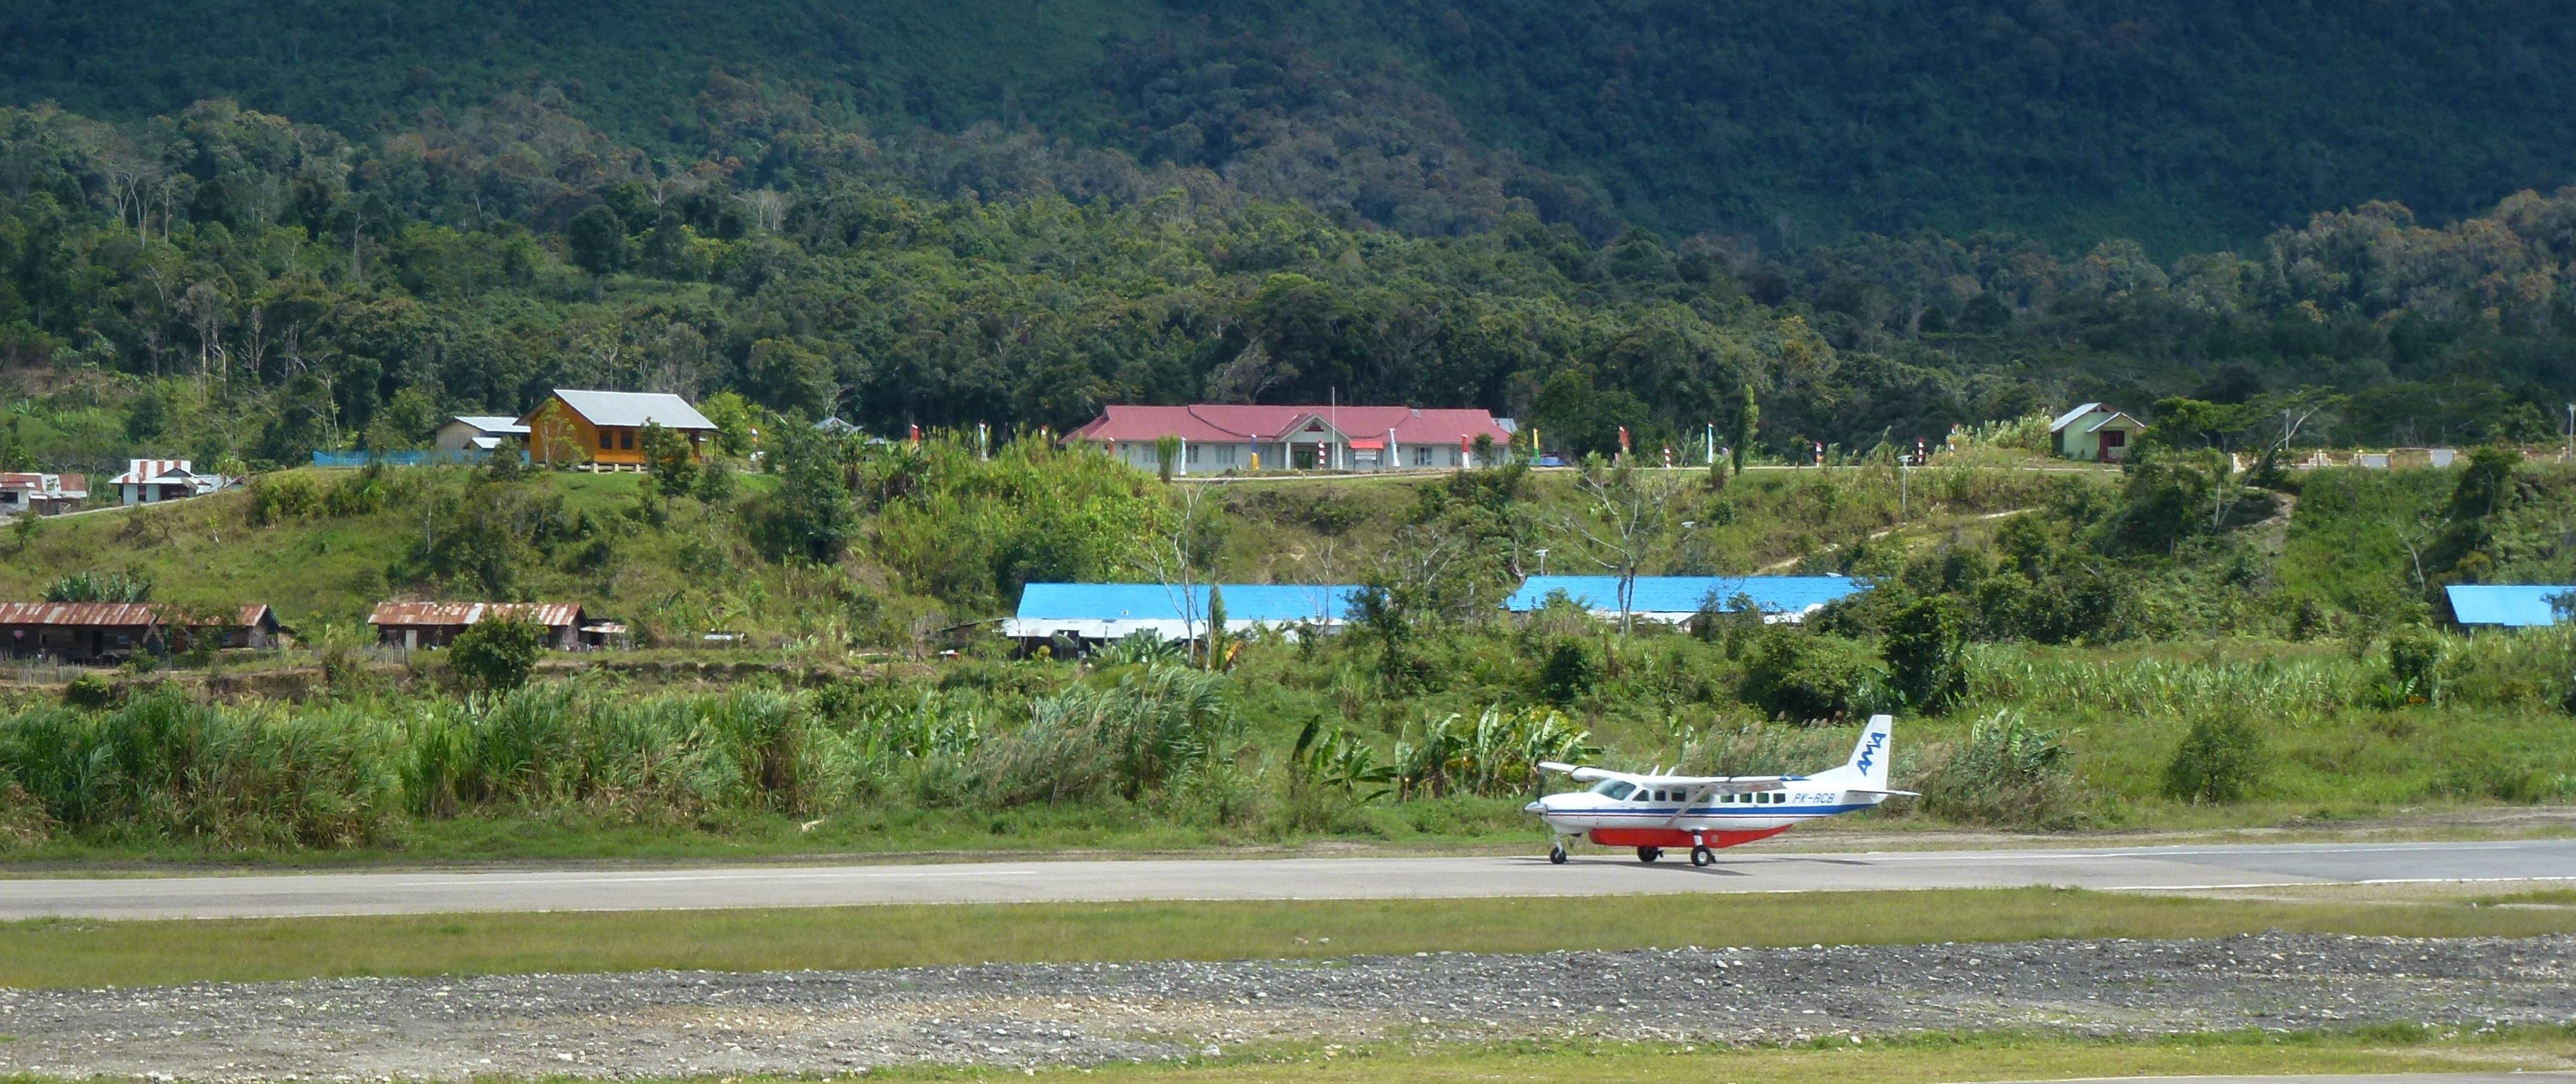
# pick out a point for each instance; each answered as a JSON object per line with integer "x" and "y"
{"x": 703, "y": 1023}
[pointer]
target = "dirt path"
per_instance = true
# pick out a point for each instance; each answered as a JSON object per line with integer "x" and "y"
{"x": 1777, "y": 566}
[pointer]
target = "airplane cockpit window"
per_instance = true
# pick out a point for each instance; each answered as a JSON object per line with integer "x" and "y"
{"x": 1614, "y": 789}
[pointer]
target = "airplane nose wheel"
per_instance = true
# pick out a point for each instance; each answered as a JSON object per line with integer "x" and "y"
{"x": 1649, "y": 854}
{"x": 1702, "y": 856}
{"x": 1556, "y": 855}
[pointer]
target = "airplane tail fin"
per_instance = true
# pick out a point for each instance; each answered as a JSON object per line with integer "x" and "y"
{"x": 1867, "y": 768}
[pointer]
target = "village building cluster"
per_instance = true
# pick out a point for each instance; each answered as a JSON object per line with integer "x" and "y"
{"x": 604, "y": 430}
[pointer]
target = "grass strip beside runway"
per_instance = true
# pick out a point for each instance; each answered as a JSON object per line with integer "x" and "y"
{"x": 89, "y": 953}
{"x": 1918, "y": 1059}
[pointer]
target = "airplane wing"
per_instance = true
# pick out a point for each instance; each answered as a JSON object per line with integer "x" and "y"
{"x": 1700, "y": 786}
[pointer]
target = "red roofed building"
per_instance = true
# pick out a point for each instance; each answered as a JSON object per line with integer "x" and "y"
{"x": 1218, "y": 437}
{"x": 42, "y": 494}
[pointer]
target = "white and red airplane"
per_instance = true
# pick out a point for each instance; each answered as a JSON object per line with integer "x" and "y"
{"x": 1652, "y": 812}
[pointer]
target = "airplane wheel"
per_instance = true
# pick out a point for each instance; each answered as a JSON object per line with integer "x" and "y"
{"x": 1556, "y": 855}
{"x": 1649, "y": 854}
{"x": 1702, "y": 856}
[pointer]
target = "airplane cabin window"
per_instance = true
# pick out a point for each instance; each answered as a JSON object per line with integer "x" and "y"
{"x": 1617, "y": 789}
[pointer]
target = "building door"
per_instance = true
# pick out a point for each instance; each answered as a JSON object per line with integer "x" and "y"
{"x": 1302, "y": 456}
{"x": 2114, "y": 444}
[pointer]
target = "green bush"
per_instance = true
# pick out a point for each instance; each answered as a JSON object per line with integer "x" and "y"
{"x": 2220, "y": 759}
{"x": 1806, "y": 677}
{"x": 89, "y": 691}
{"x": 2004, "y": 773}
{"x": 101, "y": 587}
{"x": 2414, "y": 669}
{"x": 281, "y": 498}
{"x": 1925, "y": 660}
{"x": 1568, "y": 673}
{"x": 498, "y": 654}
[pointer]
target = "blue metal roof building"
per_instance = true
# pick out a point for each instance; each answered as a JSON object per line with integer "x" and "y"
{"x": 2509, "y": 605}
{"x": 1110, "y": 611}
{"x": 1673, "y": 599}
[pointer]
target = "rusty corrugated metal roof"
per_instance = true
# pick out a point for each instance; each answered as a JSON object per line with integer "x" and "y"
{"x": 113, "y": 614}
{"x": 553, "y": 615}
{"x": 107, "y": 614}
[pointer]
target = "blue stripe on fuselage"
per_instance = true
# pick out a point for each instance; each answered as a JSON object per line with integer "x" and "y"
{"x": 1715, "y": 811}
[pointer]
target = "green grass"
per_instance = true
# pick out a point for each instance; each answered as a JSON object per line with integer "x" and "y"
{"x": 1914, "y": 1059}
{"x": 894, "y": 830}
{"x": 205, "y": 551}
{"x": 53, "y": 952}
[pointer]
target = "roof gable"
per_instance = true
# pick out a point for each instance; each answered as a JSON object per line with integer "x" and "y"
{"x": 2516, "y": 605}
{"x": 148, "y": 471}
{"x": 1221, "y": 422}
{"x": 1683, "y": 594}
{"x": 631, "y": 409}
{"x": 1283, "y": 602}
{"x": 489, "y": 423}
{"x": 549, "y": 614}
{"x": 2069, "y": 418}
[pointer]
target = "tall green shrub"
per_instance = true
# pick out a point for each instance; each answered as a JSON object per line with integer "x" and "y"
{"x": 1808, "y": 677}
{"x": 497, "y": 654}
{"x": 2006, "y": 772}
{"x": 2220, "y": 759}
{"x": 1926, "y": 654}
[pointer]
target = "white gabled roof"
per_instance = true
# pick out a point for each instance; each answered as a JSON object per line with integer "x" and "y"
{"x": 2113, "y": 416}
{"x": 492, "y": 423}
{"x": 634, "y": 408}
{"x": 149, "y": 471}
{"x": 2068, "y": 418}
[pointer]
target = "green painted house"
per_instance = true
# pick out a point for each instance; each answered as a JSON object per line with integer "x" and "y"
{"x": 2095, "y": 432}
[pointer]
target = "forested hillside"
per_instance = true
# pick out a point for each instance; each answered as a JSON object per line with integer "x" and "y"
{"x": 904, "y": 221}
{"x": 2188, "y": 124}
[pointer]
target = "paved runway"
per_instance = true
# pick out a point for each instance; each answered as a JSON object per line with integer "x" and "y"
{"x": 1276, "y": 879}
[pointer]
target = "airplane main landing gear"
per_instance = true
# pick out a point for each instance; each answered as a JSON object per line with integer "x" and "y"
{"x": 1649, "y": 854}
{"x": 1702, "y": 856}
{"x": 1556, "y": 854}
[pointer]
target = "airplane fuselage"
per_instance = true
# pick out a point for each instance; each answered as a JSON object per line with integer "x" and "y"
{"x": 1617, "y": 814}
{"x": 1652, "y": 811}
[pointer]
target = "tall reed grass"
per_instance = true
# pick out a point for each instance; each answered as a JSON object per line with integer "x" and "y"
{"x": 163, "y": 766}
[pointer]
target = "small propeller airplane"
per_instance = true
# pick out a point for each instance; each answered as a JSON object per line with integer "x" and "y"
{"x": 1652, "y": 812}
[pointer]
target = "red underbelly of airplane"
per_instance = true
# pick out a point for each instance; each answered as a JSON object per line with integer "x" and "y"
{"x": 1675, "y": 837}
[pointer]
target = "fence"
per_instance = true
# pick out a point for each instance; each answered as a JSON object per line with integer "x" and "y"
{"x": 398, "y": 459}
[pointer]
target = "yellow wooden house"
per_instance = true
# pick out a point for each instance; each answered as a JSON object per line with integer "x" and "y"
{"x": 607, "y": 427}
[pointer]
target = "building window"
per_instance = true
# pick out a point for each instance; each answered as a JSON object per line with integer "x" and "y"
{"x": 1193, "y": 454}
{"x": 626, "y": 440}
{"x": 606, "y": 442}
{"x": 1421, "y": 455}
{"x": 1225, "y": 455}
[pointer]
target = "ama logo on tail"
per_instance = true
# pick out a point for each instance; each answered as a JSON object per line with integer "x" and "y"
{"x": 1651, "y": 812}
{"x": 1870, "y": 745}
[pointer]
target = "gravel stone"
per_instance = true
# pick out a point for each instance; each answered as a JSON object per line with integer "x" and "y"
{"x": 672, "y": 1023}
